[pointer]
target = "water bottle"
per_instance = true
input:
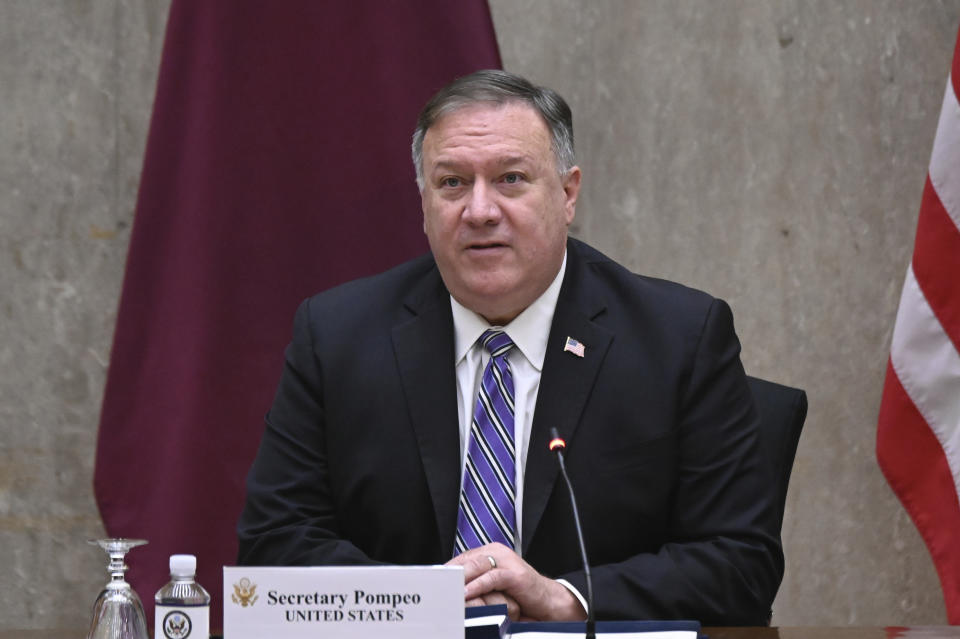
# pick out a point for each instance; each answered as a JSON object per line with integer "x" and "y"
{"x": 182, "y": 606}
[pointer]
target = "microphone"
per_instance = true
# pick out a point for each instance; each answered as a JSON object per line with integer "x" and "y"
{"x": 557, "y": 445}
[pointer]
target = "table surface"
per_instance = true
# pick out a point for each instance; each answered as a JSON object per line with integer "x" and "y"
{"x": 807, "y": 632}
{"x": 847, "y": 632}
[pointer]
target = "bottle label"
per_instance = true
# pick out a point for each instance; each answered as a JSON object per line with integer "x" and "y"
{"x": 180, "y": 622}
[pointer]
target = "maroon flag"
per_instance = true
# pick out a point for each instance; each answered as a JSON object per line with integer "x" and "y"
{"x": 277, "y": 165}
{"x": 918, "y": 434}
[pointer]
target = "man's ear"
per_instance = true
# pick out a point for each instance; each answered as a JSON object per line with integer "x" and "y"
{"x": 571, "y": 190}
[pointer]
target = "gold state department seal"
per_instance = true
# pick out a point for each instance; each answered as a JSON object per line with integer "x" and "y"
{"x": 245, "y": 593}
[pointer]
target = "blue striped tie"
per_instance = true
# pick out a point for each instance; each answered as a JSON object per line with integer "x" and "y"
{"x": 486, "y": 512}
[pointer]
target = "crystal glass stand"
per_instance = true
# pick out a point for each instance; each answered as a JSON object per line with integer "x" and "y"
{"x": 117, "y": 612}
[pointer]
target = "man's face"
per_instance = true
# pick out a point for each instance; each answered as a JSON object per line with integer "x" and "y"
{"x": 495, "y": 210}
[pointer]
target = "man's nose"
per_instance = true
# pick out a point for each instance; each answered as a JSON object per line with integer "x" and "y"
{"x": 481, "y": 207}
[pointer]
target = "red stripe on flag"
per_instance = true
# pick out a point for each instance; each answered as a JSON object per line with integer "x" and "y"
{"x": 955, "y": 69}
{"x": 914, "y": 464}
{"x": 936, "y": 262}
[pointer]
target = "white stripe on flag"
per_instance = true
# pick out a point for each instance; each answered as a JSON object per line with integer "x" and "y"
{"x": 928, "y": 367}
{"x": 945, "y": 158}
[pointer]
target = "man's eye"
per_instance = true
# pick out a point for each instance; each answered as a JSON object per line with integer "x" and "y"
{"x": 512, "y": 178}
{"x": 451, "y": 182}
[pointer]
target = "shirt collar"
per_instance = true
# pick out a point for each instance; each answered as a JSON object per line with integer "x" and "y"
{"x": 529, "y": 330}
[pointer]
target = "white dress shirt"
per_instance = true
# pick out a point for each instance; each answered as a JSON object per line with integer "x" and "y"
{"x": 529, "y": 332}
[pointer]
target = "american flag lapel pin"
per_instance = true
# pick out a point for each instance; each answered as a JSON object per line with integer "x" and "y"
{"x": 573, "y": 346}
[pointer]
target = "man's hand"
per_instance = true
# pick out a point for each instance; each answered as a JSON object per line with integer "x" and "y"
{"x": 509, "y": 579}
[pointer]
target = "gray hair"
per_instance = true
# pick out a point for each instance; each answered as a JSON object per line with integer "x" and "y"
{"x": 499, "y": 87}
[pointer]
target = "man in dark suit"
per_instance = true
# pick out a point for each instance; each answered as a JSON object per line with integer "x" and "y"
{"x": 362, "y": 460}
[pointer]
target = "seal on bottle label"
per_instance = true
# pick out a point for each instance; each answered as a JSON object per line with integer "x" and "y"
{"x": 172, "y": 622}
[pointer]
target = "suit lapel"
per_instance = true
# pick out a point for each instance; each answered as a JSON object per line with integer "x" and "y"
{"x": 425, "y": 358}
{"x": 565, "y": 385}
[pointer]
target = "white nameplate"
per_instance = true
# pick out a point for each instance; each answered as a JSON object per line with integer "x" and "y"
{"x": 350, "y": 602}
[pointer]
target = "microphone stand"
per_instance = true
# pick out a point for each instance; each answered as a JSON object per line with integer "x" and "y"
{"x": 557, "y": 445}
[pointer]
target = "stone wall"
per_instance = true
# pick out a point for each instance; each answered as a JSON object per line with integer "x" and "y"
{"x": 77, "y": 80}
{"x": 772, "y": 153}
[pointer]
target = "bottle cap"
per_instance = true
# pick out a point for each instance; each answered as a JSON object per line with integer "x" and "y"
{"x": 183, "y": 565}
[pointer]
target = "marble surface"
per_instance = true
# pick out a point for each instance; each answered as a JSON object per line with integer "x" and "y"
{"x": 772, "y": 153}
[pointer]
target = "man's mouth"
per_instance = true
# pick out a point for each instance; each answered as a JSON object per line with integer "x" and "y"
{"x": 485, "y": 246}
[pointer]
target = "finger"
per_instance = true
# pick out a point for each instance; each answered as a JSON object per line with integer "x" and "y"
{"x": 471, "y": 569}
{"x": 476, "y": 601}
{"x": 513, "y": 608}
{"x": 479, "y": 561}
{"x": 492, "y": 567}
{"x": 487, "y": 580}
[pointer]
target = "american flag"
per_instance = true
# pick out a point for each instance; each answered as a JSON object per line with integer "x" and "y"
{"x": 918, "y": 432}
{"x": 573, "y": 346}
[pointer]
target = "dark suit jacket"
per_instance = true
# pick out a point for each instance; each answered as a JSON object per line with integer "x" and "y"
{"x": 360, "y": 459}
